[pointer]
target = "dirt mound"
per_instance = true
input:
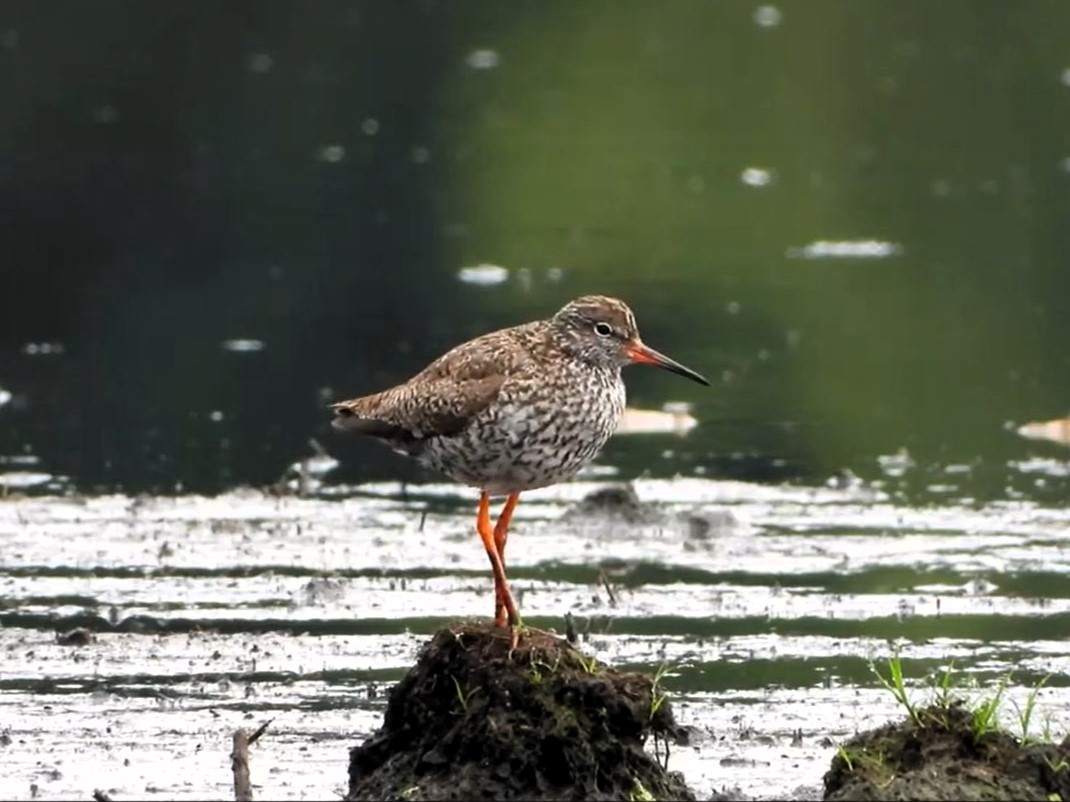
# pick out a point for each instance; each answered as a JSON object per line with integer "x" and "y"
{"x": 471, "y": 721}
{"x": 940, "y": 758}
{"x": 618, "y": 503}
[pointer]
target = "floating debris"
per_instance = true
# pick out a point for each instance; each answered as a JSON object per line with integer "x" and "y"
{"x": 483, "y": 59}
{"x": 19, "y": 459}
{"x": 5, "y": 396}
{"x": 596, "y": 471}
{"x": 674, "y": 418}
{"x": 19, "y": 480}
{"x": 332, "y": 154}
{"x": 896, "y": 464}
{"x": 242, "y": 345}
{"x": 767, "y": 16}
{"x": 484, "y": 275}
{"x": 1049, "y": 467}
{"x": 757, "y": 177}
{"x": 846, "y": 249}
{"x": 43, "y": 349}
{"x": 1056, "y": 431}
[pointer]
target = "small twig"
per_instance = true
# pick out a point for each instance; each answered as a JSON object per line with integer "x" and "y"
{"x": 609, "y": 588}
{"x": 239, "y": 761}
{"x": 259, "y": 731}
{"x": 100, "y": 796}
{"x": 570, "y": 628}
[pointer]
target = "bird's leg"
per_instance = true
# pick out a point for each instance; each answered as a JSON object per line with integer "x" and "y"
{"x": 501, "y": 584}
{"x": 482, "y": 526}
{"x": 501, "y": 534}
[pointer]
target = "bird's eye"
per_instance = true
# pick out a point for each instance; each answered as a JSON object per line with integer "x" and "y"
{"x": 603, "y": 329}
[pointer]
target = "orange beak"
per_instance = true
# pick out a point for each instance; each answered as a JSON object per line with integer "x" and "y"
{"x": 645, "y": 355}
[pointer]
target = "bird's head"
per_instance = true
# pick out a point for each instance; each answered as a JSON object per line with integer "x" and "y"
{"x": 602, "y": 331}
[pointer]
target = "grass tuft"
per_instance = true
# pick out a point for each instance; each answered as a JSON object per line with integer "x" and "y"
{"x": 896, "y": 684}
{"x": 985, "y": 713}
{"x": 463, "y": 696}
{"x": 657, "y": 693}
{"x": 1025, "y": 713}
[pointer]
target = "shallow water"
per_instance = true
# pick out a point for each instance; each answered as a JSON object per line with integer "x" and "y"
{"x": 767, "y": 604}
{"x": 208, "y": 252}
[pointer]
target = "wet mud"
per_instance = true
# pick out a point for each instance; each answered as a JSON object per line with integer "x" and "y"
{"x": 473, "y": 720}
{"x": 938, "y": 756}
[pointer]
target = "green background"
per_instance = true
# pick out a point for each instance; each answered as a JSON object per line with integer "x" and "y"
{"x": 316, "y": 175}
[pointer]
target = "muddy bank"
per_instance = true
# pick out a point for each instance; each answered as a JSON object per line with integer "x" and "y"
{"x": 937, "y": 756}
{"x": 472, "y": 721}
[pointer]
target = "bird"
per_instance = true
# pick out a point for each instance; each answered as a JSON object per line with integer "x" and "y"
{"x": 513, "y": 410}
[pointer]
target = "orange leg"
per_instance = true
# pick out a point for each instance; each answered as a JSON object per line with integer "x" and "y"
{"x": 501, "y": 534}
{"x": 501, "y": 584}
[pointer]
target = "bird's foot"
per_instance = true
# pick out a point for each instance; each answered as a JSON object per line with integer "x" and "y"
{"x": 516, "y": 628}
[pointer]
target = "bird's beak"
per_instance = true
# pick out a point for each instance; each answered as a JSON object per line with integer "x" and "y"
{"x": 645, "y": 355}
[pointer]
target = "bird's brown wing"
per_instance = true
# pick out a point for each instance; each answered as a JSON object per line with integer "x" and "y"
{"x": 415, "y": 412}
{"x": 444, "y": 397}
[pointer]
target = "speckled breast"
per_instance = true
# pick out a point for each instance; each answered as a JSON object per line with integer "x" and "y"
{"x": 539, "y": 431}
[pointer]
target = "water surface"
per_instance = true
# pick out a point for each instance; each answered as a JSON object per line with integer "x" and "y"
{"x": 767, "y": 604}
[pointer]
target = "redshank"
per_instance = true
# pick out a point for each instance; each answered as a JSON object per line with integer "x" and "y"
{"x": 513, "y": 410}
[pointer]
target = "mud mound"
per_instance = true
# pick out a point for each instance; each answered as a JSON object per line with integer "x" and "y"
{"x": 470, "y": 721}
{"x": 617, "y": 503}
{"x": 940, "y": 759}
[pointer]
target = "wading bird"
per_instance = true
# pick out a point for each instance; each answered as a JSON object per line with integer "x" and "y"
{"x": 513, "y": 410}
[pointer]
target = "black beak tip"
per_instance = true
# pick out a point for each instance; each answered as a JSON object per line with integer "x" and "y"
{"x": 687, "y": 373}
